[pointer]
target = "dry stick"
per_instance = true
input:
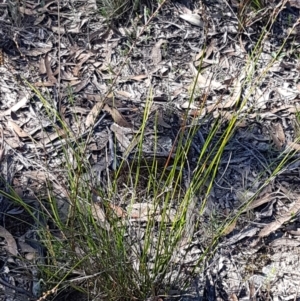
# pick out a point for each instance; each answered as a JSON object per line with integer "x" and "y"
{"x": 59, "y": 52}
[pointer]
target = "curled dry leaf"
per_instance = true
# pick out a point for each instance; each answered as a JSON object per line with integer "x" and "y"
{"x": 277, "y": 135}
{"x": 156, "y": 52}
{"x": 121, "y": 134}
{"x": 49, "y": 72}
{"x": 11, "y": 245}
{"x": 91, "y": 117}
{"x": 117, "y": 116}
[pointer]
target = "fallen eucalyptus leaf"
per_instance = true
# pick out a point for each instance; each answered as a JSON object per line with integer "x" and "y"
{"x": 193, "y": 19}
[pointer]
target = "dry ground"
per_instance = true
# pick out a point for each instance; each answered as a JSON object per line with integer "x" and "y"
{"x": 69, "y": 54}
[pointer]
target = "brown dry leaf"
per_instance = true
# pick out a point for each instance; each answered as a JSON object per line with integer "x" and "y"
{"x": 293, "y": 145}
{"x": 228, "y": 229}
{"x": 117, "y": 116}
{"x": 203, "y": 82}
{"x": 200, "y": 113}
{"x": 277, "y": 135}
{"x": 75, "y": 82}
{"x": 118, "y": 210}
{"x": 142, "y": 211}
{"x": 189, "y": 105}
{"x": 79, "y": 110}
{"x": 290, "y": 109}
{"x": 156, "y": 52}
{"x": 138, "y": 77}
{"x": 49, "y": 72}
{"x": 99, "y": 214}
{"x": 235, "y": 96}
{"x": 21, "y": 133}
{"x": 13, "y": 142}
{"x": 285, "y": 217}
{"x": 124, "y": 94}
{"x": 233, "y": 297}
{"x": 11, "y": 245}
{"x": 42, "y": 66}
{"x": 101, "y": 35}
{"x": 93, "y": 114}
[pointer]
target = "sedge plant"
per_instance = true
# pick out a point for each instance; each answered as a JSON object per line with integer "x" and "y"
{"x": 101, "y": 251}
